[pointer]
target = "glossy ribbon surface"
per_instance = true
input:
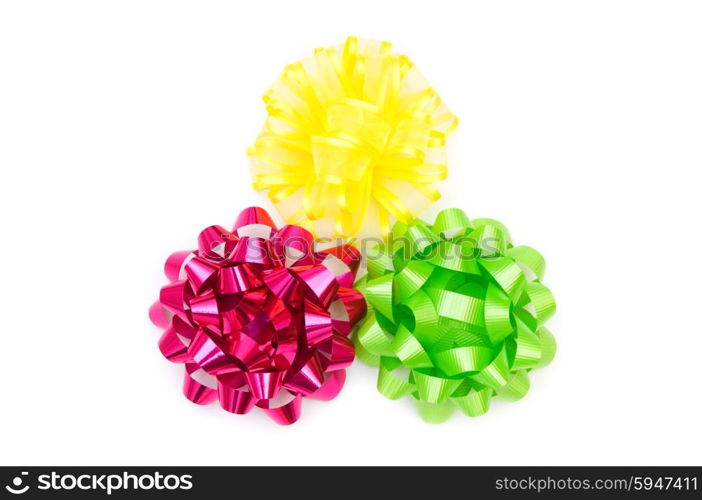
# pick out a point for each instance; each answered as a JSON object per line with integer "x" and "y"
{"x": 259, "y": 318}
{"x": 355, "y": 137}
{"x": 456, "y": 315}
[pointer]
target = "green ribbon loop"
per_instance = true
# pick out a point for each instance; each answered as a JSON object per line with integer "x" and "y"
{"x": 456, "y": 315}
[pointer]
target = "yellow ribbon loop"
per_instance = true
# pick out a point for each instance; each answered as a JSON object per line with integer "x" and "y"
{"x": 356, "y": 136}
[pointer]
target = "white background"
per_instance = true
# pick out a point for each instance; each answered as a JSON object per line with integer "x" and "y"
{"x": 123, "y": 128}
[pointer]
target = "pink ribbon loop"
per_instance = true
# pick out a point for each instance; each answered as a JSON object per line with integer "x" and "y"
{"x": 259, "y": 318}
{"x": 215, "y": 243}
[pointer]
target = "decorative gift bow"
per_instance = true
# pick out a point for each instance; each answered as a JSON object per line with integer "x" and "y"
{"x": 352, "y": 133}
{"x": 258, "y": 316}
{"x": 461, "y": 309}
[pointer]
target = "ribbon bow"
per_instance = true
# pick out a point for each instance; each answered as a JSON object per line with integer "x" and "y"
{"x": 259, "y": 318}
{"x": 352, "y": 133}
{"x": 461, "y": 309}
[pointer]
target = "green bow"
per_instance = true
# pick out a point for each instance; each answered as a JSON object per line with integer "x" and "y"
{"x": 455, "y": 315}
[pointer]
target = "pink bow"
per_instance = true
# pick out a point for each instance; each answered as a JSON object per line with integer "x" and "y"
{"x": 259, "y": 318}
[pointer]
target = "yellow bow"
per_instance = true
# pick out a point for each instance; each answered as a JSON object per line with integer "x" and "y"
{"x": 352, "y": 140}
